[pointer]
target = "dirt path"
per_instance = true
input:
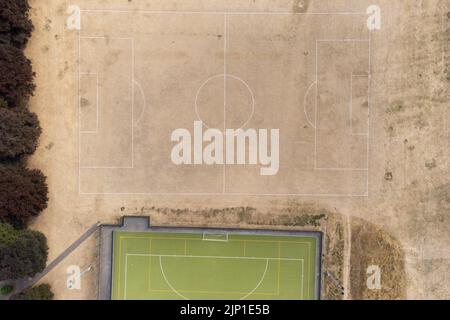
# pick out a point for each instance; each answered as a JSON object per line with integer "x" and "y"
{"x": 347, "y": 257}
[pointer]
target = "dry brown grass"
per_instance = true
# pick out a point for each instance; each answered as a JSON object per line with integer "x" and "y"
{"x": 372, "y": 246}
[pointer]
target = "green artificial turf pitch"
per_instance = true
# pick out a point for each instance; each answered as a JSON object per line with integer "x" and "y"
{"x": 156, "y": 266}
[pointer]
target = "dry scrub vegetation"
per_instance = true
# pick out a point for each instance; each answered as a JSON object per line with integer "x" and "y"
{"x": 372, "y": 246}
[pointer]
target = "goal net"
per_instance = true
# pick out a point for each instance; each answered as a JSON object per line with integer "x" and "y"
{"x": 215, "y": 236}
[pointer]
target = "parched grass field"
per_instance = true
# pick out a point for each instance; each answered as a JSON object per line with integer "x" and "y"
{"x": 222, "y": 266}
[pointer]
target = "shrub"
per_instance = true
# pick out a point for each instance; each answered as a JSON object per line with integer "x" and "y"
{"x": 23, "y": 195}
{"x": 25, "y": 257}
{"x": 8, "y": 234}
{"x": 307, "y": 220}
{"x": 15, "y": 24}
{"x": 16, "y": 76}
{"x": 3, "y": 103}
{"x": 6, "y": 289}
{"x": 20, "y": 131}
{"x": 40, "y": 292}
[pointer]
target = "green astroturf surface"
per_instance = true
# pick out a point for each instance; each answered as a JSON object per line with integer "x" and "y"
{"x": 185, "y": 266}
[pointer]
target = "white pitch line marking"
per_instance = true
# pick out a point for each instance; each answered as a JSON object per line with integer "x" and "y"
{"x": 369, "y": 105}
{"x": 223, "y": 12}
{"x": 228, "y": 194}
{"x": 209, "y": 257}
{"x": 225, "y": 23}
{"x": 144, "y": 98}
{"x": 304, "y": 105}
{"x": 167, "y": 281}
{"x": 126, "y": 273}
{"x": 259, "y": 283}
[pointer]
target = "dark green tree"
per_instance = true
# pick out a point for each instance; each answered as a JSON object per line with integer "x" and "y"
{"x": 25, "y": 257}
{"x": 15, "y": 24}
{"x": 16, "y": 76}
{"x": 23, "y": 195}
{"x": 40, "y": 292}
{"x": 3, "y": 103}
{"x": 20, "y": 131}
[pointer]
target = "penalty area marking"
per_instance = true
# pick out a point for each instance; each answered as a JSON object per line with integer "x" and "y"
{"x": 133, "y": 82}
{"x": 369, "y": 42}
{"x": 185, "y": 298}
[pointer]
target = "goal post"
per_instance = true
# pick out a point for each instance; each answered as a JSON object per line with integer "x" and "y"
{"x": 215, "y": 236}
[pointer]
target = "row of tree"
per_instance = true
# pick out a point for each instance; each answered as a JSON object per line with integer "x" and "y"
{"x": 23, "y": 191}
